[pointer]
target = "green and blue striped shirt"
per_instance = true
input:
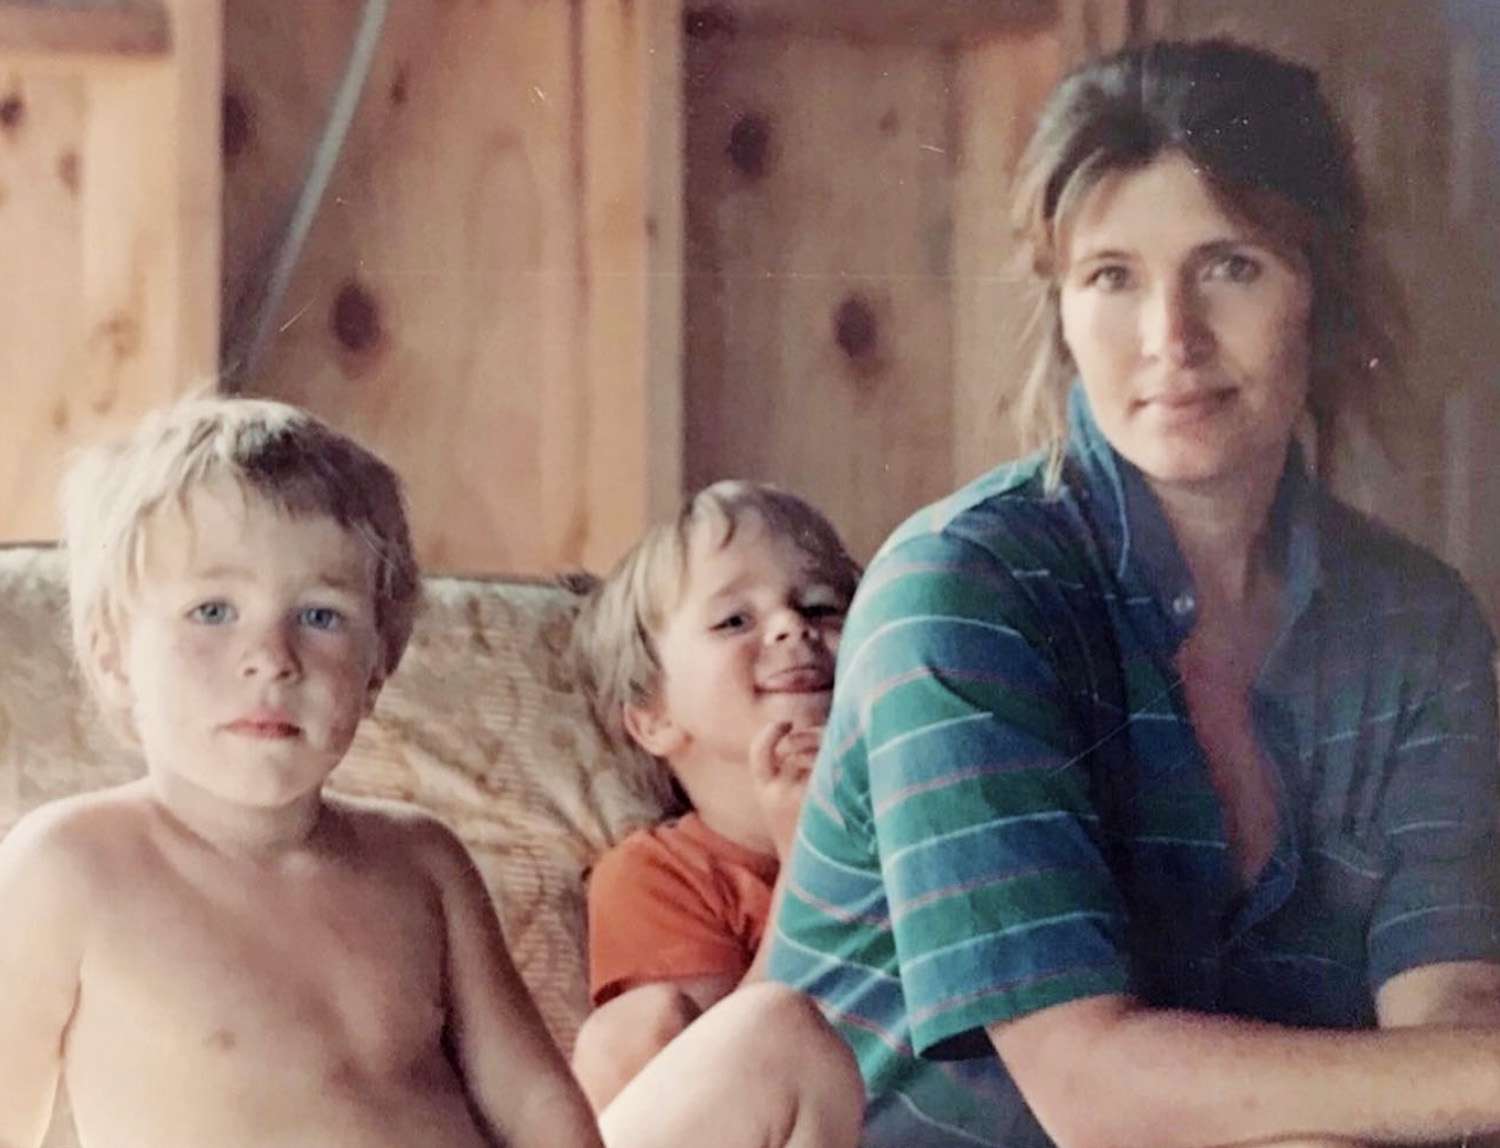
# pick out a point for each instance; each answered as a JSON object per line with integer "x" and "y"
{"x": 1011, "y": 809}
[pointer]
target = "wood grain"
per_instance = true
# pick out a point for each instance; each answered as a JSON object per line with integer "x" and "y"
{"x": 479, "y": 296}
{"x": 109, "y": 212}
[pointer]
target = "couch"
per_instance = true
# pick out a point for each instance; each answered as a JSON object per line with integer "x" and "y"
{"x": 482, "y": 725}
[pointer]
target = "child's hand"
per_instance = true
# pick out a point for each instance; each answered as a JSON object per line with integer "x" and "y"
{"x": 781, "y": 760}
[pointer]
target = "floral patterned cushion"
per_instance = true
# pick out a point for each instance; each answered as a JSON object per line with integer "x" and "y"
{"x": 481, "y": 725}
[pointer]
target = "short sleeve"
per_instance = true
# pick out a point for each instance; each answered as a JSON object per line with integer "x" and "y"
{"x": 1441, "y": 899}
{"x": 650, "y": 919}
{"x": 990, "y": 848}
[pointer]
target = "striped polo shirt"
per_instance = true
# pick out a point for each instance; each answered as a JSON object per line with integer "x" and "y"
{"x": 1011, "y": 809}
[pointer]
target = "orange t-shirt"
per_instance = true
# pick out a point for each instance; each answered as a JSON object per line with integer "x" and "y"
{"x": 675, "y": 901}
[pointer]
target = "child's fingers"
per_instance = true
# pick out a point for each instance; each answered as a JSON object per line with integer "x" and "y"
{"x": 797, "y": 750}
{"x": 799, "y": 741}
{"x": 764, "y": 750}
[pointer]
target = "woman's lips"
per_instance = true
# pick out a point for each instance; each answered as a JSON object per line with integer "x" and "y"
{"x": 1178, "y": 407}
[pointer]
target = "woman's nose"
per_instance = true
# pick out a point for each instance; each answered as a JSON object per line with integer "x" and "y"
{"x": 1175, "y": 328}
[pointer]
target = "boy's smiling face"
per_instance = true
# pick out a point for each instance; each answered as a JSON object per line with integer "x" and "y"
{"x": 750, "y": 641}
{"x": 251, "y": 651}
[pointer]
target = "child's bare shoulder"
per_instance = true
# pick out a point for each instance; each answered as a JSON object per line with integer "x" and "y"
{"x": 80, "y": 832}
{"x": 66, "y": 854}
{"x": 395, "y": 829}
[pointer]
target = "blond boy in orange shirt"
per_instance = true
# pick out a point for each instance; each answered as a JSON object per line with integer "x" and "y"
{"x": 712, "y": 647}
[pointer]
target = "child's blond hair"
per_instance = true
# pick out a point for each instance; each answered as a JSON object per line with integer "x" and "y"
{"x": 277, "y": 452}
{"x": 613, "y": 639}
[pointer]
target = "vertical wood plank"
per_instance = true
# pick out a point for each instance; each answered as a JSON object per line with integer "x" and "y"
{"x": 819, "y": 234}
{"x": 114, "y": 209}
{"x": 1000, "y": 89}
{"x": 479, "y": 298}
{"x": 633, "y": 232}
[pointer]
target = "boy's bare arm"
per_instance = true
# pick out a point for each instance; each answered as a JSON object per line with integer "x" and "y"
{"x": 1108, "y": 1071}
{"x": 42, "y": 910}
{"x": 520, "y": 1086}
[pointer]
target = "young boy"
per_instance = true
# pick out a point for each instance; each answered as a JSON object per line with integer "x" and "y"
{"x": 711, "y": 646}
{"x": 222, "y": 954}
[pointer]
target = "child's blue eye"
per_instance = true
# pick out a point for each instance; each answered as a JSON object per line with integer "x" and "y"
{"x": 212, "y": 613}
{"x": 320, "y": 617}
{"x": 736, "y": 621}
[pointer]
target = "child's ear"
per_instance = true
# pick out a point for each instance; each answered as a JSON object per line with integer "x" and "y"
{"x": 372, "y": 691}
{"x": 111, "y": 678}
{"x": 651, "y": 729}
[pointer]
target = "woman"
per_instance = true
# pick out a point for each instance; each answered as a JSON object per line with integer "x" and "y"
{"x": 1159, "y": 786}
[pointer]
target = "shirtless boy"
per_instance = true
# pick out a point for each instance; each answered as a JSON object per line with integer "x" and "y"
{"x": 221, "y": 953}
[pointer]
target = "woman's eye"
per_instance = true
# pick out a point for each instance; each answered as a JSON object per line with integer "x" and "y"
{"x": 320, "y": 618}
{"x": 732, "y": 622}
{"x": 1234, "y": 268}
{"x": 1109, "y": 277}
{"x": 212, "y": 613}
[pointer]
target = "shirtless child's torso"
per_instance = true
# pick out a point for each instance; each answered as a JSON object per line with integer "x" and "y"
{"x": 215, "y": 999}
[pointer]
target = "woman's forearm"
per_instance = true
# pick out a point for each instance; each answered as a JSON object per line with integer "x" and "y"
{"x": 1119, "y": 1075}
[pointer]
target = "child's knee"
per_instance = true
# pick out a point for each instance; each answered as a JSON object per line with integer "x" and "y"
{"x": 635, "y": 1025}
{"x": 784, "y": 1020}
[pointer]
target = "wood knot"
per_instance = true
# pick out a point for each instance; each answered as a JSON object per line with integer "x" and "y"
{"x": 12, "y": 112}
{"x": 356, "y": 318}
{"x": 750, "y": 145}
{"x": 856, "y": 329}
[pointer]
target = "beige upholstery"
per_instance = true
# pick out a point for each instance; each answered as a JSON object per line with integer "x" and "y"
{"x": 482, "y": 725}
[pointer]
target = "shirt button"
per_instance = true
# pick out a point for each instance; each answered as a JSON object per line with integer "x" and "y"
{"x": 1183, "y": 605}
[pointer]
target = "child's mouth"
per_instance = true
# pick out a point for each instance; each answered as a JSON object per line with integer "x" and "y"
{"x": 798, "y": 680}
{"x": 269, "y": 729}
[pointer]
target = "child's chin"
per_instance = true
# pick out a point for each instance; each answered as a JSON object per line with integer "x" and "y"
{"x": 801, "y": 709}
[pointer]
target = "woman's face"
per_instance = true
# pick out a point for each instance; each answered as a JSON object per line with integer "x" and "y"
{"x": 1189, "y": 330}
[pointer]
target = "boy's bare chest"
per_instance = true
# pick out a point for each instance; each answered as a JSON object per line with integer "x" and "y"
{"x": 313, "y": 980}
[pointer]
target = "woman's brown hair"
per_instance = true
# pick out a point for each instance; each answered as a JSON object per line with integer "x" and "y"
{"x": 1261, "y": 134}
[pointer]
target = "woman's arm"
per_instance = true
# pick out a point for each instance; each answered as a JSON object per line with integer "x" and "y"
{"x": 1109, "y": 1072}
{"x": 1431, "y": 1073}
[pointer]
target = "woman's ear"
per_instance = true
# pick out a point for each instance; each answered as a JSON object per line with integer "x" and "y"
{"x": 651, "y": 728}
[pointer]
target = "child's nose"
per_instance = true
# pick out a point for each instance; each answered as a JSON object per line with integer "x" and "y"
{"x": 271, "y": 655}
{"x": 788, "y": 623}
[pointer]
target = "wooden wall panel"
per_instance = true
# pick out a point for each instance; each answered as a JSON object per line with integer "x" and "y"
{"x": 476, "y": 298}
{"x": 819, "y": 233}
{"x": 41, "y": 230}
{"x": 1001, "y": 86}
{"x": 109, "y": 203}
{"x": 910, "y": 22}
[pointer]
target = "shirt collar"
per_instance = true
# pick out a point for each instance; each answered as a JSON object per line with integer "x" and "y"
{"x": 1137, "y": 541}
